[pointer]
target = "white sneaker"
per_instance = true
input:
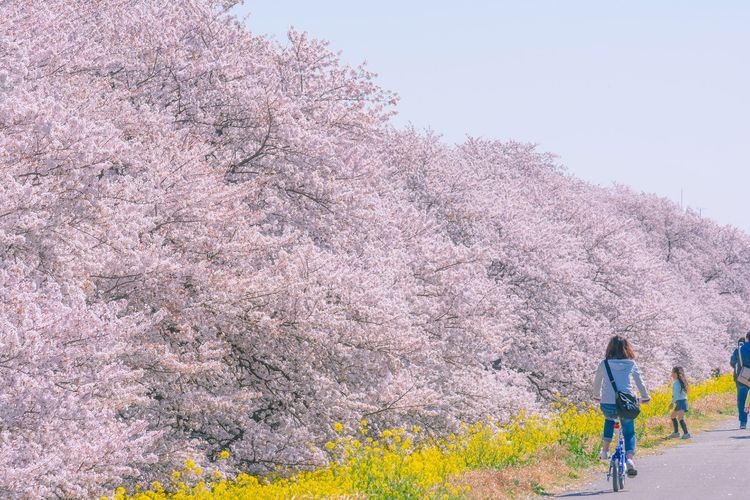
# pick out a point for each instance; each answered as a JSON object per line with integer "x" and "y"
{"x": 674, "y": 435}
{"x": 604, "y": 455}
{"x": 686, "y": 436}
{"x": 632, "y": 472}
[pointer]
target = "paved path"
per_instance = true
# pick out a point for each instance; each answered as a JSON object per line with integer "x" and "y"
{"x": 714, "y": 464}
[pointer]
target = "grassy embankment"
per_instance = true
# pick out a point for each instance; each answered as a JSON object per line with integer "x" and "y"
{"x": 528, "y": 455}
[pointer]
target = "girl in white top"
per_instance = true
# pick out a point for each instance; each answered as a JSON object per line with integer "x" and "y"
{"x": 679, "y": 401}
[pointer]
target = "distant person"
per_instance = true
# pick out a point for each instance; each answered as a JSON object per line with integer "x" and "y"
{"x": 679, "y": 402}
{"x": 620, "y": 358}
{"x": 741, "y": 358}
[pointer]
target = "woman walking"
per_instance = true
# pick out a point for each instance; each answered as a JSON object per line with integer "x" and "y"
{"x": 620, "y": 360}
{"x": 741, "y": 359}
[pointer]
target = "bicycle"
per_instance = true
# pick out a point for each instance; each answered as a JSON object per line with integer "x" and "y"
{"x": 618, "y": 462}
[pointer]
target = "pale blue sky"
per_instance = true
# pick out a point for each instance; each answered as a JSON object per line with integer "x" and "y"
{"x": 652, "y": 94}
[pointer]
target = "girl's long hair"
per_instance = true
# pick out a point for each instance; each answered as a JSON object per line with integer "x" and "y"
{"x": 619, "y": 348}
{"x": 680, "y": 374}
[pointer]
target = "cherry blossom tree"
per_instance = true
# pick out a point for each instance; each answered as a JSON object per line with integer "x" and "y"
{"x": 212, "y": 241}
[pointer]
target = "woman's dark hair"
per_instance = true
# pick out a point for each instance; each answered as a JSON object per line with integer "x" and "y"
{"x": 680, "y": 373}
{"x": 747, "y": 336}
{"x": 619, "y": 348}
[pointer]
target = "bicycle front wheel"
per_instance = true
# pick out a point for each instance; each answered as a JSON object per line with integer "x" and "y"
{"x": 616, "y": 476}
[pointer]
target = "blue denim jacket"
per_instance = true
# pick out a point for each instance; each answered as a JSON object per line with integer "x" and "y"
{"x": 745, "y": 357}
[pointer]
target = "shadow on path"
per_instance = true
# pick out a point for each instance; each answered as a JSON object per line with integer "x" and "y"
{"x": 585, "y": 494}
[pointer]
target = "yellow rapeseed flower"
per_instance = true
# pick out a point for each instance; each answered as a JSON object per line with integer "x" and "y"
{"x": 422, "y": 469}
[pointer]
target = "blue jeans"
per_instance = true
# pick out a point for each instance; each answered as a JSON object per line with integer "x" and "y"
{"x": 628, "y": 427}
{"x": 742, "y": 391}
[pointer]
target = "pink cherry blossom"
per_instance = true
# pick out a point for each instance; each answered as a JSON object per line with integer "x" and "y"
{"x": 210, "y": 241}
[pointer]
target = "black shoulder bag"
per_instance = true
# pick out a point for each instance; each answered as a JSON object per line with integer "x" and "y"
{"x": 627, "y": 404}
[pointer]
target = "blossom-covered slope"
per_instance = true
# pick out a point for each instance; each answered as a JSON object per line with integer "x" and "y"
{"x": 212, "y": 242}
